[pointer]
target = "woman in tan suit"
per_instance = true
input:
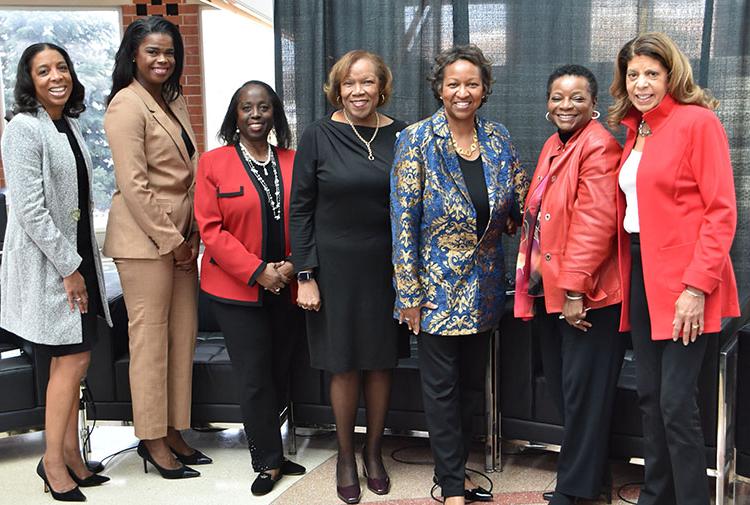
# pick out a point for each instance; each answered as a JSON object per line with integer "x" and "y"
{"x": 153, "y": 239}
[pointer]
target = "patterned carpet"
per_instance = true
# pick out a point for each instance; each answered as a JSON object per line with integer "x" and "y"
{"x": 523, "y": 480}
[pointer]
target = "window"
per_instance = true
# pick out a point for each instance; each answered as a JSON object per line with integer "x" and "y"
{"x": 91, "y": 37}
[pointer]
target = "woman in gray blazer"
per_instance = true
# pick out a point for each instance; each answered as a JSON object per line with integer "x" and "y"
{"x": 51, "y": 284}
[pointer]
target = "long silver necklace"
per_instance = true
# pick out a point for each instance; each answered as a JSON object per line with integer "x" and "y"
{"x": 263, "y": 164}
{"x": 365, "y": 142}
{"x": 275, "y": 203}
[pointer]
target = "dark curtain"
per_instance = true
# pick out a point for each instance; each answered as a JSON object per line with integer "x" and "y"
{"x": 525, "y": 40}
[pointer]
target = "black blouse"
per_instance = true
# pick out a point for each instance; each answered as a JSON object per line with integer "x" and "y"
{"x": 477, "y": 186}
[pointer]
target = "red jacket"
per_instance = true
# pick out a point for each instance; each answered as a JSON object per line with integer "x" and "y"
{"x": 228, "y": 209}
{"x": 578, "y": 221}
{"x": 687, "y": 213}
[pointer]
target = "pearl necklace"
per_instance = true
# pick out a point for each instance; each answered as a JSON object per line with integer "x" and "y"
{"x": 365, "y": 142}
{"x": 274, "y": 203}
{"x": 466, "y": 153}
{"x": 264, "y": 164}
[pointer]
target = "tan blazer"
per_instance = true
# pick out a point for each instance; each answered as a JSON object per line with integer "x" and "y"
{"x": 152, "y": 207}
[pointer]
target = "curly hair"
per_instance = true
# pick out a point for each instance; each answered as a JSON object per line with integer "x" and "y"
{"x": 125, "y": 69}
{"x": 680, "y": 82}
{"x": 468, "y": 52}
{"x": 228, "y": 131}
{"x": 24, "y": 92}
{"x": 577, "y": 71}
{"x": 340, "y": 69}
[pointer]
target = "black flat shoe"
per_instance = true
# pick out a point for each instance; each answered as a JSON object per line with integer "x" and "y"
{"x": 264, "y": 483}
{"x": 184, "y": 472}
{"x": 95, "y": 466}
{"x": 477, "y": 494}
{"x": 90, "y": 481}
{"x": 72, "y": 495}
{"x": 196, "y": 458}
{"x": 562, "y": 499}
{"x": 291, "y": 468}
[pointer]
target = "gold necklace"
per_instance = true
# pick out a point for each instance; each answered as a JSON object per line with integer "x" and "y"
{"x": 644, "y": 130}
{"x": 466, "y": 153}
{"x": 365, "y": 142}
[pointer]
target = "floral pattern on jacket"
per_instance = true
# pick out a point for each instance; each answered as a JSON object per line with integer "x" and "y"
{"x": 437, "y": 255}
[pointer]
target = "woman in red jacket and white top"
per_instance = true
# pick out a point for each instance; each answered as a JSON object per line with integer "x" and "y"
{"x": 242, "y": 208}
{"x": 567, "y": 278}
{"x": 677, "y": 215}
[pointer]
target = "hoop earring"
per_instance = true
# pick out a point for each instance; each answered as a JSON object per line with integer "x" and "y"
{"x": 546, "y": 116}
{"x": 382, "y": 99}
{"x": 596, "y": 115}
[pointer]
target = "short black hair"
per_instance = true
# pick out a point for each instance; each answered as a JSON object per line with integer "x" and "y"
{"x": 468, "y": 52}
{"x": 578, "y": 71}
{"x": 228, "y": 131}
{"x": 124, "y": 71}
{"x": 24, "y": 92}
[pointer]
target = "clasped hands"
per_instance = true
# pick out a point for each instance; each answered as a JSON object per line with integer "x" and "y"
{"x": 276, "y": 275}
{"x": 186, "y": 253}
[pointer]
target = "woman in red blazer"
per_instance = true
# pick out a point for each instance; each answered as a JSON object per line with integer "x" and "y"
{"x": 677, "y": 215}
{"x": 242, "y": 208}
{"x": 567, "y": 278}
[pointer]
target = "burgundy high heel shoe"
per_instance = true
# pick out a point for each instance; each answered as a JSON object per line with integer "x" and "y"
{"x": 379, "y": 486}
{"x": 348, "y": 494}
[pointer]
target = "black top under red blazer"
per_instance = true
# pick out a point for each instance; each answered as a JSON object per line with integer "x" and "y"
{"x": 231, "y": 213}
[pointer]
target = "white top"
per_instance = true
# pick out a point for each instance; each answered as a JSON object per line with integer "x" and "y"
{"x": 627, "y": 184}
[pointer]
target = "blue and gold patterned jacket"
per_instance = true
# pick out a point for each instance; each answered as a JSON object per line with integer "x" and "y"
{"x": 436, "y": 254}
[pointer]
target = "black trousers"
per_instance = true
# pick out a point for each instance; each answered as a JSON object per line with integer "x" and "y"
{"x": 581, "y": 371}
{"x": 667, "y": 379}
{"x": 260, "y": 341}
{"x": 453, "y": 371}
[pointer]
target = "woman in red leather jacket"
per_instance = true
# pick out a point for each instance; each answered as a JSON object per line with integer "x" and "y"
{"x": 676, "y": 221}
{"x": 242, "y": 209}
{"x": 567, "y": 278}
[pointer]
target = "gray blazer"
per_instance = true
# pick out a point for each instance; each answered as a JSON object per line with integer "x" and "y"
{"x": 41, "y": 238}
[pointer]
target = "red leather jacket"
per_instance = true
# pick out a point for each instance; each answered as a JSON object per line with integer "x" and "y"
{"x": 578, "y": 217}
{"x": 228, "y": 209}
{"x": 687, "y": 213}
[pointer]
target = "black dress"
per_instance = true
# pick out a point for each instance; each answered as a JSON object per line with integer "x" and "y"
{"x": 85, "y": 249}
{"x": 340, "y": 226}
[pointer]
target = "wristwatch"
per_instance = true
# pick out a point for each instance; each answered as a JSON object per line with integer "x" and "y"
{"x": 306, "y": 275}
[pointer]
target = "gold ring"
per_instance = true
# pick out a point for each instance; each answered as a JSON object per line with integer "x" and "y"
{"x": 695, "y": 325}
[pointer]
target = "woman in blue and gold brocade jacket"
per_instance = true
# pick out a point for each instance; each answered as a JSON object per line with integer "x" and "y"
{"x": 455, "y": 183}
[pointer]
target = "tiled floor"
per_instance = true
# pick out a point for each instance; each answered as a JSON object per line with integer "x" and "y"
{"x": 524, "y": 477}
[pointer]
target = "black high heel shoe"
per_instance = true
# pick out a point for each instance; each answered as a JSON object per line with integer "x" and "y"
{"x": 196, "y": 458}
{"x": 90, "y": 481}
{"x": 72, "y": 495}
{"x": 184, "y": 472}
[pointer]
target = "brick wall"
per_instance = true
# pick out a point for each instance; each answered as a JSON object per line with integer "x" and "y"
{"x": 186, "y": 17}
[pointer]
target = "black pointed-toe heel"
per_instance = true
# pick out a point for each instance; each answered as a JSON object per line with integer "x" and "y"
{"x": 74, "y": 494}
{"x": 184, "y": 472}
{"x": 90, "y": 481}
{"x": 196, "y": 458}
{"x": 95, "y": 466}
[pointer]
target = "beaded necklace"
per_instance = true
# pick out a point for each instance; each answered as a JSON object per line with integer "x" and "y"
{"x": 275, "y": 203}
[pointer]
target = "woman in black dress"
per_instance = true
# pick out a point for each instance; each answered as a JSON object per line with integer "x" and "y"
{"x": 341, "y": 247}
{"x": 51, "y": 279}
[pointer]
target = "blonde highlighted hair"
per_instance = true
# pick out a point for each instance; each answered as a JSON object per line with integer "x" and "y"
{"x": 340, "y": 69}
{"x": 680, "y": 82}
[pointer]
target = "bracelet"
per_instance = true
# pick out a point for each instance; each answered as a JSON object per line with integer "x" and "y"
{"x": 696, "y": 295}
{"x": 573, "y": 298}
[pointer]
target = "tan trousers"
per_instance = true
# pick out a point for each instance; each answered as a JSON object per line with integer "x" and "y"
{"x": 162, "y": 311}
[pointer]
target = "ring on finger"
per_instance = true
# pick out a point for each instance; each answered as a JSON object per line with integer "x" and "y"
{"x": 695, "y": 326}
{"x": 578, "y": 321}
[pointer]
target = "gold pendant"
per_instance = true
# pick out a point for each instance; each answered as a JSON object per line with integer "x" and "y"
{"x": 75, "y": 214}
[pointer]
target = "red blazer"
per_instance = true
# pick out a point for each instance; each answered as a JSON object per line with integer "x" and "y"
{"x": 687, "y": 213}
{"x": 229, "y": 212}
{"x": 578, "y": 221}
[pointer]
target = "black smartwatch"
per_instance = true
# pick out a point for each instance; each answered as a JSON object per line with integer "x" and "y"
{"x": 306, "y": 275}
